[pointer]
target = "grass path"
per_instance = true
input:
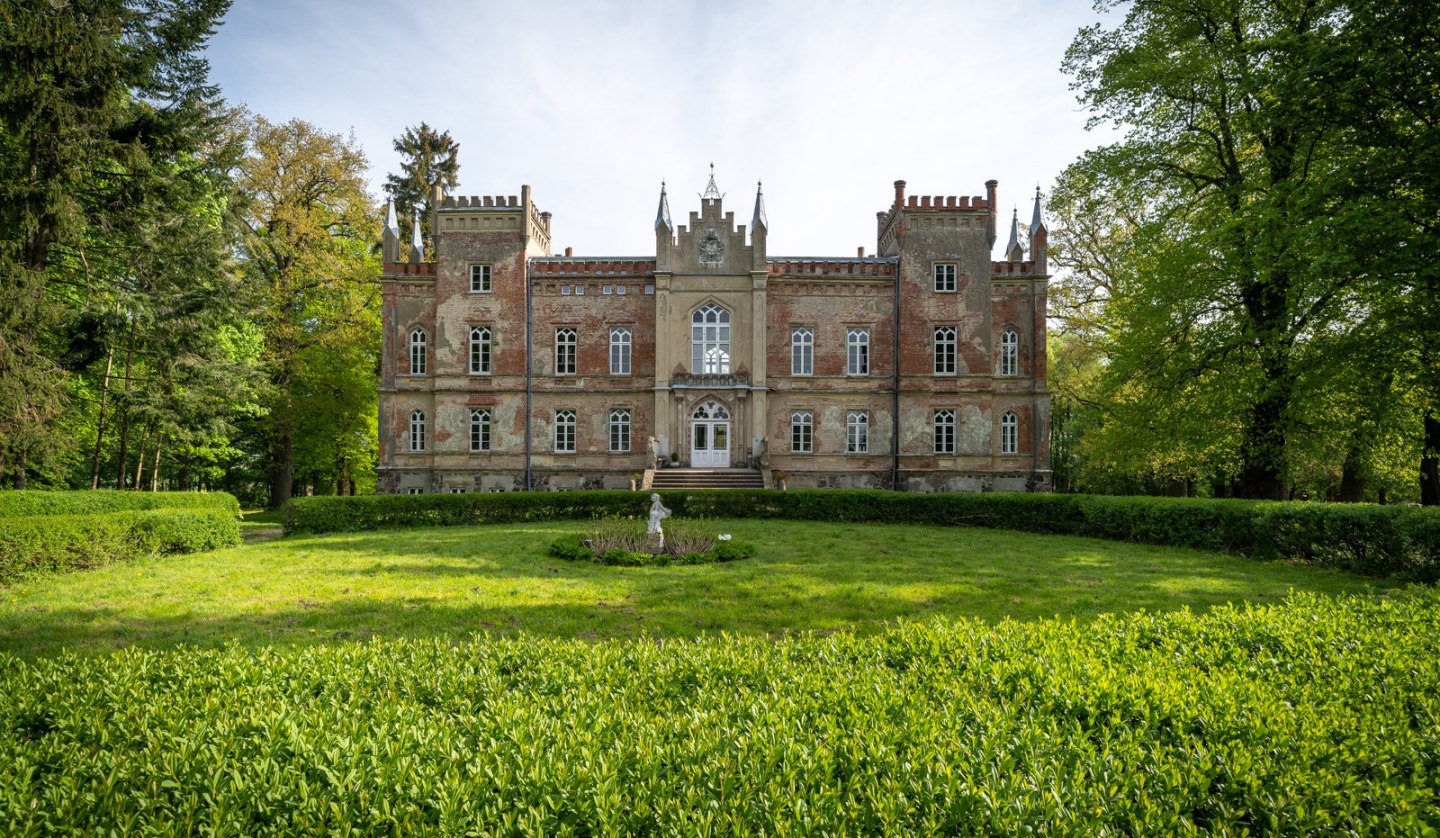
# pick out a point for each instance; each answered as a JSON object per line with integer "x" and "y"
{"x": 807, "y": 576}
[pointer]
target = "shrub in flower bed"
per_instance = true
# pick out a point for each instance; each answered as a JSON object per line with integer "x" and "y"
{"x": 99, "y": 501}
{"x": 1318, "y": 716}
{"x": 57, "y": 543}
{"x": 1394, "y": 541}
{"x": 624, "y": 541}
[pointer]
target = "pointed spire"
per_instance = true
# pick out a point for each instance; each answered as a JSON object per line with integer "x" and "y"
{"x": 417, "y": 242}
{"x": 392, "y": 224}
{"x": 712, "y": 192}
{"x": 662, "y": 215}
{"x": 758, "y": 221}
{"x": 1013, "y": 251}
{"x": 1037, "y": 221}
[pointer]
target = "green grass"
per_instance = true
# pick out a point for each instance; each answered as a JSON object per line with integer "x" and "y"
{"x": 261, "y": 519}
{"x": 303, "y": 590}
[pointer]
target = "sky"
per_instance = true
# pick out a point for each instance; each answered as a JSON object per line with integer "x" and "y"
{"x": 593, "y": 104}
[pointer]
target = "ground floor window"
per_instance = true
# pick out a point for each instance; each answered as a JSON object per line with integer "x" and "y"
{"x": 857, "y": 432}
{"x": 564, "y": 431}
{"x": 619, "y": 431}
{"x": 944, "y": 432}
{"x": 802, "y": 428}
{"x": 1009, "y": 434}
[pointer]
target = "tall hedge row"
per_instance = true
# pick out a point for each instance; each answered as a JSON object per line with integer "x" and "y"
{"x": 1320, "y": 716}
{"x": 110, "y": 500}
{"x": 1402, "y": 542}
{"x": 38, "y": 537}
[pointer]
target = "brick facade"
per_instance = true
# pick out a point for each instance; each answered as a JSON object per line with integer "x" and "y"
{"x": 556, "y": 372}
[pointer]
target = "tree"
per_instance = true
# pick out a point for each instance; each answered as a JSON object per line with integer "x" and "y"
{"x": 428, "y": 159}
{"x": 96, "y": 98}
{"x": 307, "y": 229}
{"x": 1230, "y": 153}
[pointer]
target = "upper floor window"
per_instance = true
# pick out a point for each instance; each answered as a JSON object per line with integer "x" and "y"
{"x": 945, "y": 350}
{"x": 479, "y": 279}
{"x": 566, "y": 347}
{"x": 564, "y": 431}
{"x": 857, "y": 432}
{"x": 802, "y": 351}
{"x": 419, "y": 358}
{"x": 1009, "y": 434}
{"x": 945, "y": 274}
{"x": 417, "y": 430}
{"x": 1009, "y": 352}
{"x": 620, "y": 342}
{"x": 479, "y": 430}
{"x": 857, "y": 352}
{"x": 479, "y": 350}
{"x": 619, "y": 431}
{"x": 944, "y": 425}
{"x": 802, "y": 428}
{"x": 414, "y": 490}
{"x": 710, "y": 340}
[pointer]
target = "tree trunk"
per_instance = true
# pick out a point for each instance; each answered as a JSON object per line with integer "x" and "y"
{"x": 282, "y": 466}
{"x": 19, "y": 480}
{"x": 184, "y": 477}
{"x": 124, "y": 429}
{"x": 1352, "y": 475}
{"x": 1262, "y": 449}
{"x": 1430, "y": 462}
{"x": 155, "y": 470}
{"x": 100, "y": 422}
{"x": 140, "y": 459}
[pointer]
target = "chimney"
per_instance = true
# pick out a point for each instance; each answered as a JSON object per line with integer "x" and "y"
{"x": 990, "y": 223}
{"x": 569, "y": 251}
{"x": 899, "y": 193}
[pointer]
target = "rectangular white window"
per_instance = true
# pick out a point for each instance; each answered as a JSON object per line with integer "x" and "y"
{"x": 579, "y": 290}
{"x": 945, "y": 350}
{"x": 479, "y": 430}
{"x": 620, "y": 342}
{"x": 414, "y": 490}
{"x": 857, "y": 432}
{"x": 945, "y": 277}
{"x": 457, "y": 491}
{"x": 802, "y": 351}
{"x": 944, "y": 432}
{"x": 417, "y": 430}
{"x": 802, "y": 431}
{"x": 566, "y": 348}
{"x": 619, "y": 431}
{"x": 479, "y": 279}
{"x": 1009, "y": 434}
{"x": 607, "y": 289}
{"x": 620, "y": 289}
{"x": 857, "y": 352}
{"x": 564, "y": 432}
{"x": 649, "y": 289}
{"x": 479, "y": 350}
{"x": 564, "y": 290}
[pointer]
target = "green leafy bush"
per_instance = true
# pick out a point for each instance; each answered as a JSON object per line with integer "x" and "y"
{"x": 1376, "y": 540}
{"x": 15, "y": 504}
{"x": 624, "y": 542}
{"x": 60, "y": 543}
{"x": 1316, "y": 717}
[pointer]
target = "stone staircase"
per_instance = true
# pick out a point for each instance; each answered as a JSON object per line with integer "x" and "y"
{"x": 707, "y": 478}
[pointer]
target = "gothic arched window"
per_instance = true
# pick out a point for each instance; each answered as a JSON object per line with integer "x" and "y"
{"x": 710, "y": 340}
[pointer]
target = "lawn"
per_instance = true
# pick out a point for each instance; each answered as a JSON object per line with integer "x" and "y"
{"x": 807, "y": 576}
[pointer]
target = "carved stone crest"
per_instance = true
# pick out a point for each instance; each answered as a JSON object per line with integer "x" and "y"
{"x": 711, "y": 248}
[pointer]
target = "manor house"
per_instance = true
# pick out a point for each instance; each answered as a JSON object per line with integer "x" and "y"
{"x": 919, "y": 367}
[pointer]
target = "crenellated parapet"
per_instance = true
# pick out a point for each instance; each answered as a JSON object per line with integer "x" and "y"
{"x": 839, "y": 268}
{"x": 408, "y": 270}
{"x": 557, "y": 267}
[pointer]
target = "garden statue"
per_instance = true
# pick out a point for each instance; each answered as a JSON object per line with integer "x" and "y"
{"x": 654, "y": 453}
{"x": 658, "y": 513}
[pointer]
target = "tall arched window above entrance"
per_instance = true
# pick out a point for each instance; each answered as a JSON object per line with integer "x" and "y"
{"x": 710, "y": 340}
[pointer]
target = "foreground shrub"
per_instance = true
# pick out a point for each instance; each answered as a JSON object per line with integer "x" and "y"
{"x": 109, "y": 500}
{"x": 625, "y": 542}
{"x": 1318, "y": 716}
{"x": 58, "y": 543}
{"x": 1375, "y": 540}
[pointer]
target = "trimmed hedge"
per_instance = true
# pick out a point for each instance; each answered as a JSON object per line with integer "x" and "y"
{"x": 1320, "y": 716}
{"x": 60, "y": 543}
{"x": 1394, "y": 541}
{"x": 109, "y": 500}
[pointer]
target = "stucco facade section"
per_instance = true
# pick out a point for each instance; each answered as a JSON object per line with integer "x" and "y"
{"x": 919, "y": 368}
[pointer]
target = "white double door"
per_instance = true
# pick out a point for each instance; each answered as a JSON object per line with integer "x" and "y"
{"x": 710, "y": 436}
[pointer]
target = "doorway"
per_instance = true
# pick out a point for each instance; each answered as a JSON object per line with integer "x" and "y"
{"x": 710, "y": 436}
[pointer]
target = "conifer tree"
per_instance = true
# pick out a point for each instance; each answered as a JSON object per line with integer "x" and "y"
{"x": 428, "y": 158}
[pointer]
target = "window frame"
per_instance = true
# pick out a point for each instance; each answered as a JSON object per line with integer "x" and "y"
{"x": 481, "y": 430}
{"x": 1009, "y": 352}
{"x": 567, "y": 351}
{"x": 802, "y": 431}
{"x": 419, "y": 351}
{"x": 802, "y": 351}
{"x": 943, "y": 277}
{"x": 620, "y": 420}
{"x": 484, "y": 364}
{"x": 565, "y": 421}
{"x": 415, "y": 436}
{"x": 486, "y": 277}
{"x": 857, "y": 351}
{"x": 1009, "y": 433}
{"x": 707, "y": 356}
{"x": 942, "y": 424}
{"x": 624, "y": 347}
{"x": 941, "y": 356}
{"x": 857, "y": 432}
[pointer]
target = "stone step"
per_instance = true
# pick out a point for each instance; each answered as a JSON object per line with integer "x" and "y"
{"x": 708, "y": 478}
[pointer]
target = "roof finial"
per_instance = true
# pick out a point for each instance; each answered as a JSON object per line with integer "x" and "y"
{"x": 757, "y": 221}
{"x": 712, "y": 192}
{"x": 662, "y": 215}
{"x": 1013, "y": 251}
{"x": 417, "y": 241}
{"x": 392, "y": 224}
{"x": 1037, "y": 221}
